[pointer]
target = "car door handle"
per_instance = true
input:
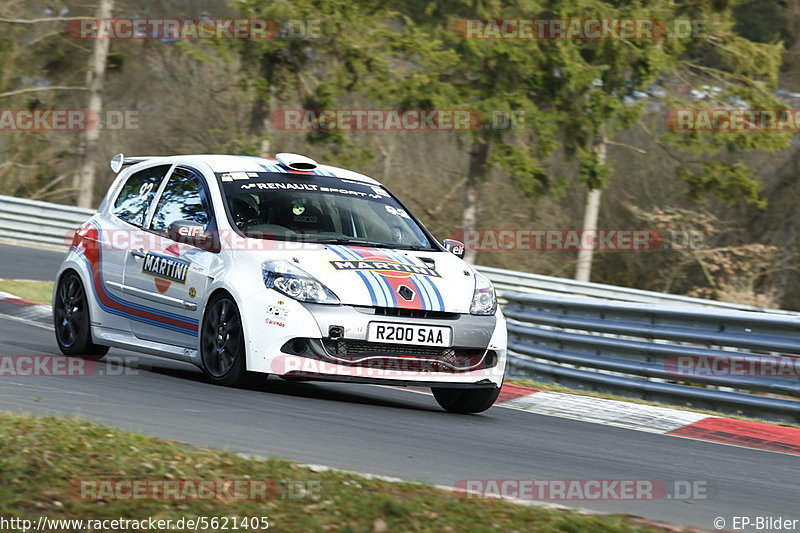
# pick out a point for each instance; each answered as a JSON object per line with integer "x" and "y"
{"x": 139, "y": 253}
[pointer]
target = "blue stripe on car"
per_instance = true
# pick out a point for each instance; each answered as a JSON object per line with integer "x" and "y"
{"x": 121, "y": 301}
{"x": 131, "y": 316}
{"x": 335, "y": 249}
{"x": 429, "y": 286}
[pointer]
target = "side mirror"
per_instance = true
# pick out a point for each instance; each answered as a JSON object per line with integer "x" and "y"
{"x": 454, "y": 247}
{"x": 192, "y": 233}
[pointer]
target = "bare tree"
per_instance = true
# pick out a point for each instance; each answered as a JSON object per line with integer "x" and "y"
{"x": 95, "y": 76}
{"x": 583, "y": 271}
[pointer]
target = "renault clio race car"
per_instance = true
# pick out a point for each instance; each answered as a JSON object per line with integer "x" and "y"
{"x": 249, "y": 266}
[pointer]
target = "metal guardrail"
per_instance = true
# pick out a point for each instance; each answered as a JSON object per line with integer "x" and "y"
{"x": 587, "y": 335}
{"x": 512, "y": 280}
{"x": 39, "y": 222}
{"x": 653, "y": 351}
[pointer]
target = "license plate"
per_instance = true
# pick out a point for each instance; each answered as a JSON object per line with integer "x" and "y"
{"x": 409, "y": 334}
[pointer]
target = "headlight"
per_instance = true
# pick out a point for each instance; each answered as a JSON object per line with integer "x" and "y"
{"x": 484, "y": 301}
{"x": 296, "y": 283}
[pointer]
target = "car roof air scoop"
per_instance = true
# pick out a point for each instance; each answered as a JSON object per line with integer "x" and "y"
{"x": 296, "y": 162}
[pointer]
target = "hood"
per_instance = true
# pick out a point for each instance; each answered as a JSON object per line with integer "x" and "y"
{"x": 383, "y": 277}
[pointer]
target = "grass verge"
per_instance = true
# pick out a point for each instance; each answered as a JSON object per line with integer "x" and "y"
{"x": 40, "y": 292}
{"x": 40, "y": 457}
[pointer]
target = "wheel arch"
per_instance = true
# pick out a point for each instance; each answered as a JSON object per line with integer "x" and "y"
{"x": 85, "y": 275}
{"x": 216, "y": 293}
{"x": 93, "y": 348}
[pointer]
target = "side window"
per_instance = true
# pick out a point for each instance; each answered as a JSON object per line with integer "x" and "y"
{"x": 183, "y": 199}
{"x": 138, "y": 192}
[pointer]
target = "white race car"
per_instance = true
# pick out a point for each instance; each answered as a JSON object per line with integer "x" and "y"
{"x": 249, "y": 266}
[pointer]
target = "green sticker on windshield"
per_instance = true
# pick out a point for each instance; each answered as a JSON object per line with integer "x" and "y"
{"x": 298, "y": 208}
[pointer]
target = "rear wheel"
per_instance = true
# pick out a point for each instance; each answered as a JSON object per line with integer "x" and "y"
{"x": 71, "y": 319}
{"x": 222, "y": 349}
{"x": 466, "y": 400}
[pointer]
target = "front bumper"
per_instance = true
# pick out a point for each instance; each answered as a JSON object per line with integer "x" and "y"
{"x": 469, "y": 331}
{"x": 350, "y": 353}
{"x": 308, "y": 345}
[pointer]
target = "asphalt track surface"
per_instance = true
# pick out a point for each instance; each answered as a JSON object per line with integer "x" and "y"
{"x": 17, "y": 262}
{"x": 391, "y": 432}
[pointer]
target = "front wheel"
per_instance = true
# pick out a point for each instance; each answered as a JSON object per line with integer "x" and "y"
{"x": 222, "y": 349}
{"x": 466, "y": 400}
{"x": 71, "y": 319}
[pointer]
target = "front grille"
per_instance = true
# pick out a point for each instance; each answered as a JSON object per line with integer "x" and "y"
{"x": 407, "y": 313}
{"x": 358, "y": 348}
{"x": 392, "y": 357}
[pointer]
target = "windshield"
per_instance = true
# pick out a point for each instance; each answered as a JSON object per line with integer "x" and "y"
{"x": 322, "y": 209}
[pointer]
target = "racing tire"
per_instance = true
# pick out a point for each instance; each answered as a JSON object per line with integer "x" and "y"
{"x": 466, "y": 401}
{"x": 222, "y": 349}
{"x": 71, "y": 319}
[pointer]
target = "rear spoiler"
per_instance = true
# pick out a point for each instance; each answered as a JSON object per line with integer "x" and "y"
{"x": 120, "y": 160}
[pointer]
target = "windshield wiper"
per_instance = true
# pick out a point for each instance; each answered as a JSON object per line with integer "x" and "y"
{"x": 360, "y": 242}
{"x": 374, "y": 244}
{"x": 416, "y": 248}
